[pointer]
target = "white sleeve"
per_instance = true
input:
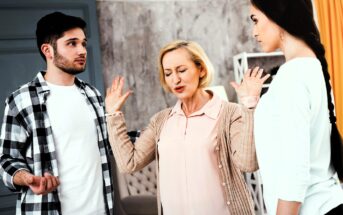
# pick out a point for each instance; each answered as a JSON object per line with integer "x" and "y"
{"x": 295, "y": 117}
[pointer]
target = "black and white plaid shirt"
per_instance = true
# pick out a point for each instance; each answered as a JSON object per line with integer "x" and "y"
{"x": 27, "y": 143}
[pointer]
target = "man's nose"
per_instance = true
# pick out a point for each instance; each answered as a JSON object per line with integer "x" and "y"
{"x": 82, "y": 50}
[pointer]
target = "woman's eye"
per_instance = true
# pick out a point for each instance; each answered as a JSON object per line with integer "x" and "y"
{"x": 167, "y": 74}
{"x": 182, "y": 71}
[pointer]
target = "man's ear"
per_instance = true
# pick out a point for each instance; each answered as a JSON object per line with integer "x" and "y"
{"x": 47, "y": 50}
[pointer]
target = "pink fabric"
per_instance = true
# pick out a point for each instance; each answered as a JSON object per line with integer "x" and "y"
{"x": 190, "y": 181}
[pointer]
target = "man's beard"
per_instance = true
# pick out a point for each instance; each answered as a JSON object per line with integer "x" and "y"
{"x": 63, "y": 64}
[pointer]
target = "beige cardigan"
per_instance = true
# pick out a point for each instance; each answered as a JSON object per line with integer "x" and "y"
{"x": 235, "y": 151}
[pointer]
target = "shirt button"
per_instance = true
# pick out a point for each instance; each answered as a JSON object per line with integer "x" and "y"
{"x": 228, "y": 202}
{"x": 220, "y": 166}
{"x": 224, "y": 184}
{"x": 217, "y": 148}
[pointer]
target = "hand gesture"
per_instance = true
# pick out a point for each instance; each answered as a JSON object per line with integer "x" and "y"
{"x": 114, "y": 99}
{"x": 251, "y": 84}
{"x": 41, "y": 184}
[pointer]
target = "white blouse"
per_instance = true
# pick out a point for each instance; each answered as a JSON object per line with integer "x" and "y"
{"x": 292, "y": 135}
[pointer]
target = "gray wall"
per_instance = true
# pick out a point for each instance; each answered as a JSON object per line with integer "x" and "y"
{"x": 132, "y": 32}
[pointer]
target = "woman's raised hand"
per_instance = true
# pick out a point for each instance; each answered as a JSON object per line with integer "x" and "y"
{"x": 114, "y": 95}
{"x": 251, "y": 84}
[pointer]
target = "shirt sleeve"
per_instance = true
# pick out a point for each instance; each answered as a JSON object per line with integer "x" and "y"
{"x": 12, "y": 148}
{"x": 294, "y": 127}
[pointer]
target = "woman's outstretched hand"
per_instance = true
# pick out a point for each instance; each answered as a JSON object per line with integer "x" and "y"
{"x": 114, "y": 95}
{"x": 249, "y": 89}
{"x": 251, "y": 84}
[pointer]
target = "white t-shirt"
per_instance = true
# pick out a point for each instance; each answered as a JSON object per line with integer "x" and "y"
{"x": 78, "y": 156}
{"x": 292, "y": 135}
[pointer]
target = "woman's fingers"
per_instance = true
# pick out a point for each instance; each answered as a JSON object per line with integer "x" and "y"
{"x": 121, "y": 101}
{"x": 114, "y": 99}
{"x": 254, "y": 71}
{"x": 264, "y": 78}
{"x": 114, "y": 84}
{"x": 120, "y": 85}
{"x": 125, "y": 96}
{"x": 259, "y": 73}
{"x": 247, "y": 74}
{"x": 117, "y": 84}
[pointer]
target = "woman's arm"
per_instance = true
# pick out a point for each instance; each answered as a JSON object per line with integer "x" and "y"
{"x": 130, "y": 157}
{"x": 293, "y": 126}
{"x": 241, "y": 138}
{"x": 288, "y": 208}
{"x": 241, "y": 118}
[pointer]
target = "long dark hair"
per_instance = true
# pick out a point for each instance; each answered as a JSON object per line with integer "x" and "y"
{"x": 296, "y": 17}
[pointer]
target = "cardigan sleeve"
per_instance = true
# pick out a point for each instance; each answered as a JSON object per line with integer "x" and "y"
{"x": 131, "y": 157}
{"x": 240, "y": 129}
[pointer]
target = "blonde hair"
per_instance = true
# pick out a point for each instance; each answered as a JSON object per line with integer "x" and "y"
{"x": 198, "y": 56}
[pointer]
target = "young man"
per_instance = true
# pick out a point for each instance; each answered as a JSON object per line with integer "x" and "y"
{"x": 54, "y": 147}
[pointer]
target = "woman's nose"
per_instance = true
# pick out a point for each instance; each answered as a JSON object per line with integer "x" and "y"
{"x": 176, "y": 79}
{"x": 254, "y": 33}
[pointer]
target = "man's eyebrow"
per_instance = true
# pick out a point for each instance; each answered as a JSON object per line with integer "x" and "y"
{"x": 74, "y": 39}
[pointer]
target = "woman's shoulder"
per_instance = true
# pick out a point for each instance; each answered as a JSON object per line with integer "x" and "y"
{"x": 301, "y": 71}
{"x": 301, "y": 65}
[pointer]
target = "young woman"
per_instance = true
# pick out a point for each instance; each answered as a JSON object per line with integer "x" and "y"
{"x": 295, "y": 121}
{"x": 201, "y": 145}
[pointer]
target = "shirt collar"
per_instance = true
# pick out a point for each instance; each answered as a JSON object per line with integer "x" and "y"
{"x": 42, "y": 86}
{"x": 210, "y": 109}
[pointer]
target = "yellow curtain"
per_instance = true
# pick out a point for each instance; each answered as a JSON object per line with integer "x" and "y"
{"x": 330, "y": 20}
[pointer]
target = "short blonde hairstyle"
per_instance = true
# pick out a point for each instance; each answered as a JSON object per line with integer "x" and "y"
{"x": 198, "y": 56}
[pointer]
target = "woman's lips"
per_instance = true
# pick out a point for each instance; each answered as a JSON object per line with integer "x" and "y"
{"x": 179, "y": 89}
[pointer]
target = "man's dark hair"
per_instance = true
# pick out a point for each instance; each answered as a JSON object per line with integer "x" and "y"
{"x": 52, "y": 27}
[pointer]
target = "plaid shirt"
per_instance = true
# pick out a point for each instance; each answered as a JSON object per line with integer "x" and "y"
{"x": 27, "y": 143}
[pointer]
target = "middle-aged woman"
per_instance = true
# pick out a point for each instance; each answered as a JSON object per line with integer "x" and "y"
{"x": 201, "y": 145}
{"x": 294, "y": 121}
